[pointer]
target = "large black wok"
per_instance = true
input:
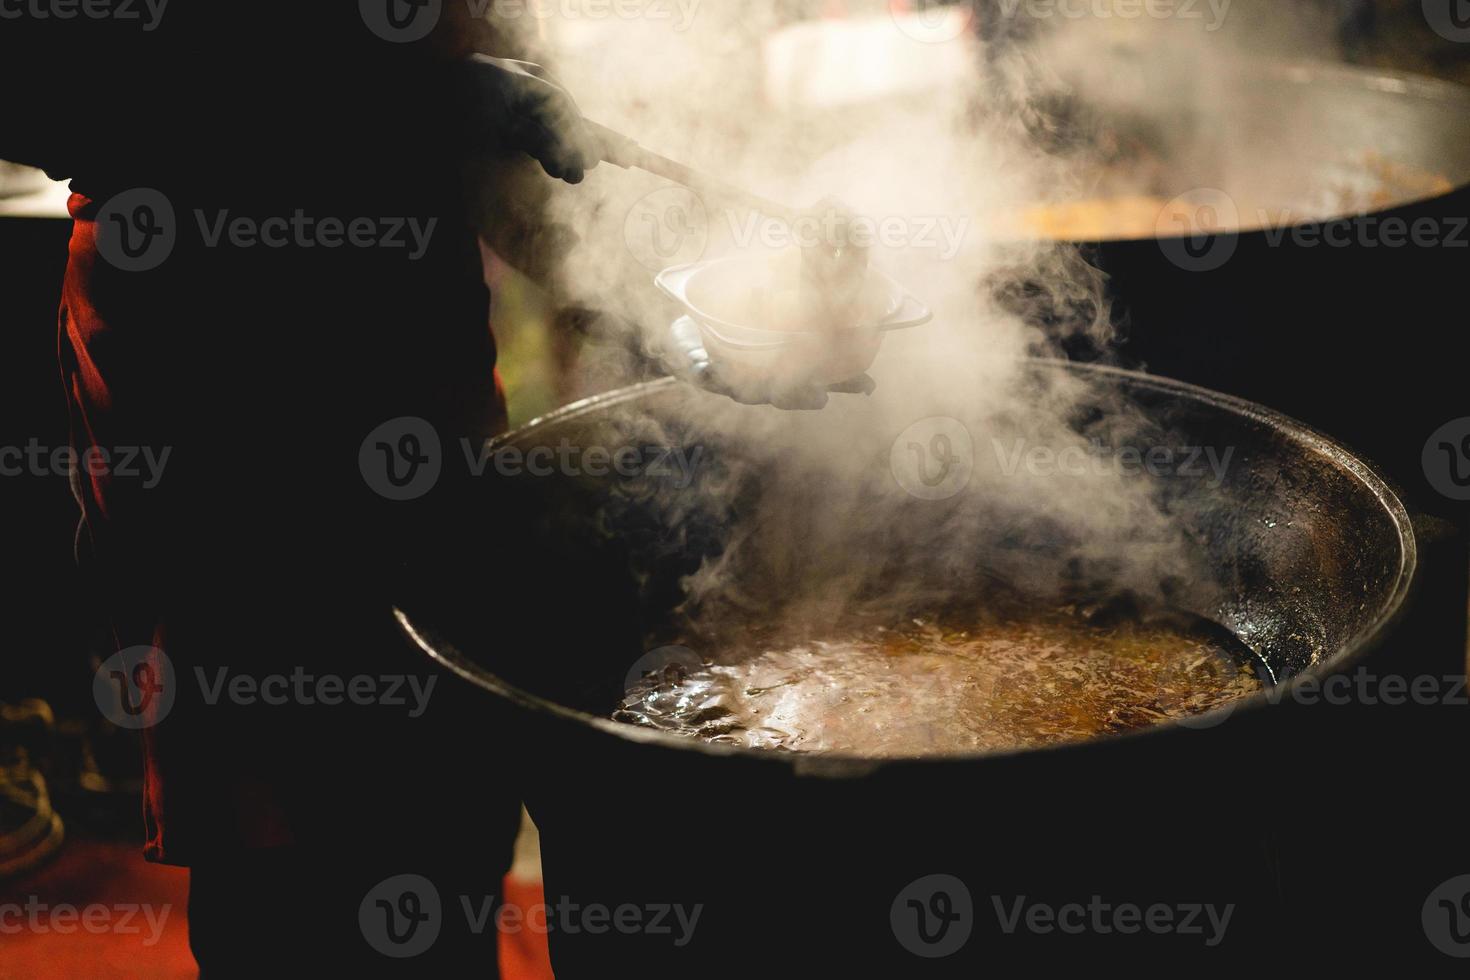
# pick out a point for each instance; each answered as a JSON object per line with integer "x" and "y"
{"x": 1301, "y": 551}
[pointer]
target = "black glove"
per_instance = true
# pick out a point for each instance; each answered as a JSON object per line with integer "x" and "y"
{"x": 516, "y": 105}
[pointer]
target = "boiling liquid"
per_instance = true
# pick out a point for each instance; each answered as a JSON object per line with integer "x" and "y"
{"x": 923, "y": 688}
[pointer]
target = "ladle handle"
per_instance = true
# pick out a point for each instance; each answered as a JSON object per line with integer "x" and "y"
{"x": 623, "y": 151}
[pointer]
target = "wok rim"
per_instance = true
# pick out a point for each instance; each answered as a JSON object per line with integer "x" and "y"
{"x": 838, "y": 765}
{"x": 1305, "y": 73}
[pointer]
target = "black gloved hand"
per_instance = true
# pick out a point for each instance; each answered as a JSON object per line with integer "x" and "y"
{"x": 516, "y": 105}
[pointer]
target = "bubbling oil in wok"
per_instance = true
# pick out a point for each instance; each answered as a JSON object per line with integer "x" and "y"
{"x": 945, "y": 684}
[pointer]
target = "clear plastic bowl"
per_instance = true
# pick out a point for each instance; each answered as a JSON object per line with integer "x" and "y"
{"x": 748, "y": 314}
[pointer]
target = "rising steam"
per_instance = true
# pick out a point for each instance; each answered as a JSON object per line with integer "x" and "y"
{"x": 964, "y": 135}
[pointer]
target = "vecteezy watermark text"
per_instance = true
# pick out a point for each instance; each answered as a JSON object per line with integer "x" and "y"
{"x": 934, "y": 916}
{"x": 1041, "y": 460}
{"x": 1211, "y": 12}
{"x": 402, "y": 459}
{"x": 674, "y": 463}
{"x": 678, "y": 14}
{"x": 402, "y": 917}
{"x": 934, "y": 459}
{"x": 1102, "y": 918}
{"x": 143, "y": 463}
{"x": 136, "y": 688}
{"x": 1199, "y": 230}
{"x": 571, "y": 918}
{"x": 1359, "y": 687}
{"x": 942, "y": 234}
{"x": 300, "y": 230}
{"x": 148, "y": 13}
{"x": 303, "y": 688}
{"x": 938, "y": 21}
{"x": 138, "y": 229}
{"x": 97, "y": 919}
{"x": 407, "y": 21}
{"x": 1367, "y": 231}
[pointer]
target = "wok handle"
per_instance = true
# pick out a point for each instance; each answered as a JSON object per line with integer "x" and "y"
{"x": 627, "y": 153}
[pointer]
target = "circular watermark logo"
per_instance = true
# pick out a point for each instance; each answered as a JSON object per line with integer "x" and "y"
{"x": 933, "y": 917}
{"x": 401, "y": 459}
{"x": 666, "y": 228}
{"x": 662, "y": 668}
{"x": 401, "y": 916}
{"x": 1449, "y": 18}
{"x": 1446, "y": 917}
{"x": 400, "y": 21}
{"x": 1197, "y": 230}
{"x": 135, "y": 688}
{"x": 931, "y": 21}
{"x": 137, "y": 230}
{"x": 1447, "y": 459}
{"x": 934, "y": 458}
